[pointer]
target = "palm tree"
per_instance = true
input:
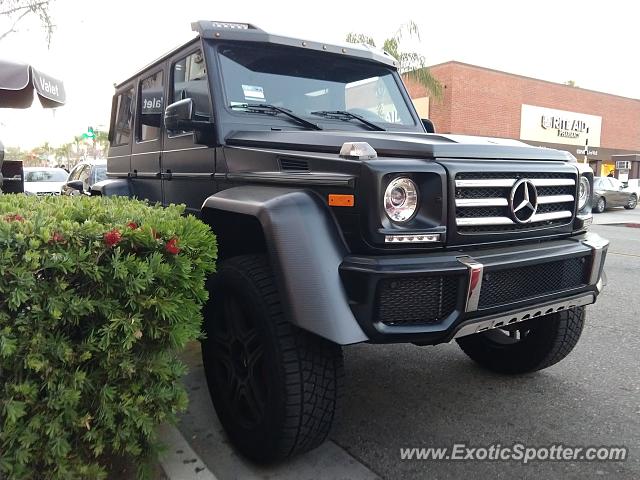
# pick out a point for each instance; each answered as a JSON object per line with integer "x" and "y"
{"x": 411, "y": 65}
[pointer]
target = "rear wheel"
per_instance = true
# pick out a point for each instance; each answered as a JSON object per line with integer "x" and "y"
{"x": 632, "y": 203}
{"x": 528, "y": 346}
{"x": 600, "y": 205}
{"x": 275, "y": 387}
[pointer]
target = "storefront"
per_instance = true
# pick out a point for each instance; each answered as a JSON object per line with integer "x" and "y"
{"x": 598, "y": 128}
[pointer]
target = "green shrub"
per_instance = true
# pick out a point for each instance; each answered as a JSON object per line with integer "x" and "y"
{"x": 97, "y": 297}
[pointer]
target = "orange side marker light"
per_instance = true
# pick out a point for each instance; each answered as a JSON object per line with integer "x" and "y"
{"x": 336, "y": 200}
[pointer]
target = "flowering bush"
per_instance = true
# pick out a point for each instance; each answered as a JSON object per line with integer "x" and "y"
{"x": 97, "y": 296}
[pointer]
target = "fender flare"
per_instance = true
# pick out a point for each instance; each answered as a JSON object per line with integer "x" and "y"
{"x": 305, "y": 249}
{"x": 113, "y": 186}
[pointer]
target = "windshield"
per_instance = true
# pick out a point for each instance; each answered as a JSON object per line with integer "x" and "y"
{"x": 305, "y": 82}
{"x": 46, "y": 175}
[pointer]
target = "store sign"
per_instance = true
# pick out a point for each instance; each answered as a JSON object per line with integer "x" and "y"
{"x": 559, "y": 126}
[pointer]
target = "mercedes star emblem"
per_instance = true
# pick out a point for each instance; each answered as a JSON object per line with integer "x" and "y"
{"x": 524, "y": 200}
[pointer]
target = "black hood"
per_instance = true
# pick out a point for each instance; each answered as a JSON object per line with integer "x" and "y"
{"x": 399, "y": 144}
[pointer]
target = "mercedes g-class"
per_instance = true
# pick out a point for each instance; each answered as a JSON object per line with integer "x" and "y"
{"x": 340, "y": 220}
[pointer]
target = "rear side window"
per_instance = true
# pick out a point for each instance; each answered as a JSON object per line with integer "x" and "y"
{"x": 190, "y": 81}
{"x": 150, "y": 107}
{"x": 124, "y": 116}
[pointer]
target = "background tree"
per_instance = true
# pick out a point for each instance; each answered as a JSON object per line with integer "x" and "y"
{"x": 102, "y": 139}
{"x": 571, "y": 83}
{"x": 411, "y": 65}
{"x": 14, "y": 11}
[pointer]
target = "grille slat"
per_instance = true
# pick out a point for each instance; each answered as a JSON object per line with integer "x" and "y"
{"x": 521, "y": 283}
{"x": 482, "y": 201}
{"x": 416, "y": 300}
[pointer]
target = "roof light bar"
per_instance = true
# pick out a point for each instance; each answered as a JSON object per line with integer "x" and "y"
{"x": 229, "y": 25}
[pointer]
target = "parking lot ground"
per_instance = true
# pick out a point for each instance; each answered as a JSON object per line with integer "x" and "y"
{"x": 617, "y": 216}
{"x": 402, "y": 396}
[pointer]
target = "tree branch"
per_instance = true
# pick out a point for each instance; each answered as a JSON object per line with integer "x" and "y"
{"x": 12, "y": 29}
{"x": 31, "y": 6}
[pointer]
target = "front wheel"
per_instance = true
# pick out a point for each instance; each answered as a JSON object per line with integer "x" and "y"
{"x": 600, "y": 205}
{"x": 274, "y": 386}
{"x": 632, "y": 203}
{"x": 527, "y": 346}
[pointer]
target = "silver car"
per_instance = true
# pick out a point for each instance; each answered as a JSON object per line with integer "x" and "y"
{"x": 610, "y": 192}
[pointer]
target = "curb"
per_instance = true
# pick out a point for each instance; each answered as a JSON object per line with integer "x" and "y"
{"x": 179, "y": 461}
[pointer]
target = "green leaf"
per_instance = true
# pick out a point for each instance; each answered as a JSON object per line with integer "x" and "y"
{"x": 14, "y": 410}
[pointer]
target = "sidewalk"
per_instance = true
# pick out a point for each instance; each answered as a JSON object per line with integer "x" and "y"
{"x": 204, "y": 445}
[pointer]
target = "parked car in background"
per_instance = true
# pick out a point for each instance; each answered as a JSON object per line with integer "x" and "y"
{"x": 44, "y": 180}
{"x": 83, "y": 176}
{"x": 610, "y": 192}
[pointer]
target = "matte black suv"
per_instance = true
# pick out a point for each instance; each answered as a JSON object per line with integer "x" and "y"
{"x": 340, "y": 220}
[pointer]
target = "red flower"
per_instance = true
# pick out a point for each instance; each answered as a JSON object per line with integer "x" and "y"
{"x": 112, "y": 237}
{"x": 14, "y": 217}
{"x": 171, "y": 246}
{"x": 56, "y": 238}
{"x": 132, "y": 225}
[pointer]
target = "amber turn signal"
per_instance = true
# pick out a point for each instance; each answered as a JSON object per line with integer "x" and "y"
{"x": 336, "y": 200}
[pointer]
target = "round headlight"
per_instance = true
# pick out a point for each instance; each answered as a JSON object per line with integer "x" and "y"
{"x": 401, "y": 199}
{"x": 584, "y": 192}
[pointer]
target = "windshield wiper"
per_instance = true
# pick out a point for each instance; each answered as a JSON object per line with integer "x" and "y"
{"x": 268, "y": 108}
{"x": 345, "y": 115}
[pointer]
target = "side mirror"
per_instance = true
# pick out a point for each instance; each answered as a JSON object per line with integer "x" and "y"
{"x": 76, "y": 185}
{"x": 428, "y": 125}
{"x": 179, "y": 115}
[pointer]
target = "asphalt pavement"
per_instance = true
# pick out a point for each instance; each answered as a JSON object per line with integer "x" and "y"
{"x": 401, "y": 396}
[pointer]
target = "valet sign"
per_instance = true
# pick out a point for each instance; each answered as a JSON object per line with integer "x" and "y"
{"x": 559, "y": 126}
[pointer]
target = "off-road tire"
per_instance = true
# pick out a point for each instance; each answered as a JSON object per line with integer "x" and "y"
{"x": 300, "y": 377}
{"x": 600, "y": 206}
{"x": 633, "y": 203}
{"x": 547, "y": 340}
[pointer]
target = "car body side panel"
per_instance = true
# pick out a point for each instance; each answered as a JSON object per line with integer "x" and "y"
{"x": 306, "y": 250}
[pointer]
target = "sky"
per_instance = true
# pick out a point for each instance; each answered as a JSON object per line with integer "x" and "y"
{"x": 99, "y": 43}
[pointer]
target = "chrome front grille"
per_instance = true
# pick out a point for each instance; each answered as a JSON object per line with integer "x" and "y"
{"x": 482, "y": 201}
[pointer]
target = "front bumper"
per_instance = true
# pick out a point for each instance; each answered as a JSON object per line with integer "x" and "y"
{"x": 433, "y": 298}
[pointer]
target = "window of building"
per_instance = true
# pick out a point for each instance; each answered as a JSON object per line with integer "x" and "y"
{"x": 124, "y": 116}
{"x": 150, "y": 107}
{"x": 190, "y": 81}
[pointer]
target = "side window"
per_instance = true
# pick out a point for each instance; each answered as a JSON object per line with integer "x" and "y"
{"x": 99, "y": 173}
{"x": 617, "y": 185}
{"x": 84, "y": 175}
{"x": 124, "y": 116}
{"x": 151, "y": 102}
{"x": 190, "y": 81}
{"x": 75, "y": 173}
